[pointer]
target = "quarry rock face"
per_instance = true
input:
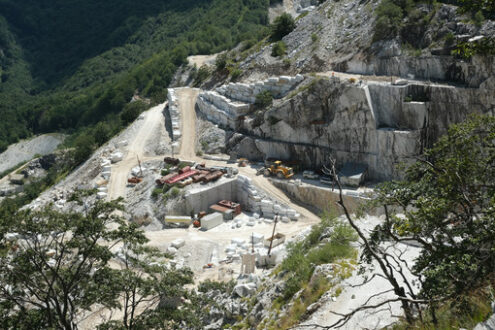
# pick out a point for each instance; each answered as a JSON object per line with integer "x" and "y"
{"x": 376, "y": 123}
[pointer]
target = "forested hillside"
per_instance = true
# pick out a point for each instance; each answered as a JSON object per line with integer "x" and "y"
{"x": 65, "y": 65}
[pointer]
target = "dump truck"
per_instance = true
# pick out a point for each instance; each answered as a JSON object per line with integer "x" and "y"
{"x": 278, "y": 169}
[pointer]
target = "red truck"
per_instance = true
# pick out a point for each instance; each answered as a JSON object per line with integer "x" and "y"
{"x": 161, "y": 181}
{"x": 181, "y": 177}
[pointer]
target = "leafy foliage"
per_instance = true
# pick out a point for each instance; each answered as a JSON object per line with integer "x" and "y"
{"x": 264, "y": 99}
{"x": 61, "y": 264}
{"x": 282, "y": 26}
{"x": 447, "y": 205}
{"x": 68, "y": 67}
{"x": 466, "y": 50}
{"x": 279, "y": 49}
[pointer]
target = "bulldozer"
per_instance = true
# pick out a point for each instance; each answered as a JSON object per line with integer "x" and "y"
{"x": 278, "y": 169}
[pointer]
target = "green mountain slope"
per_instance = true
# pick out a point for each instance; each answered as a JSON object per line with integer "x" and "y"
{"x": 67, "y": 64}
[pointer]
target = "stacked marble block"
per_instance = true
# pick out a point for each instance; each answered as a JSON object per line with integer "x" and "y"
{"x": 229, "y": 102}
{"x": 269, "y": 209}
{"x": 220, "y": 109}
{"x": 173, "y": 109}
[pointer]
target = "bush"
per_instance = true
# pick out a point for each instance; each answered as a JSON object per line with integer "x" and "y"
{"x": 132, "y": 111}
{"x": 389, "y": 19}
{"x": 279, "y": 49}
{"x": 202, "y": 74}
{"x": 174, "y": 192}
{"x": 264, "y": 99}
{"x": 235, "y": 73}
{"x": 221, "y": 62}
{"x": 478, "y": 19}
{"x": 156, "y": 192}
{"x": 282, "y": 26}
{"x": 84, "y": 146}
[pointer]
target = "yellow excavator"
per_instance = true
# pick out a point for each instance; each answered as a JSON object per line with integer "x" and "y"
{"x": 278, "y": 169}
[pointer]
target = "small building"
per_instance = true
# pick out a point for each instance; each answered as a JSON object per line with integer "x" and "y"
{"x": 211, "y": 221}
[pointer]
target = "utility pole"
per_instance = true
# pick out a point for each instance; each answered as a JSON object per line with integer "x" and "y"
{"x": 273, "y": 235}
{"x": 140, "y": 168}
{"x": 252, "y": 243}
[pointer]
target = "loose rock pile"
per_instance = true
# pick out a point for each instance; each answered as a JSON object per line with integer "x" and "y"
{"x": 173, "y": 109}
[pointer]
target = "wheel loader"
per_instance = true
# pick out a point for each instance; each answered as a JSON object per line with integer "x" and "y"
{"x": 278, "y": 169}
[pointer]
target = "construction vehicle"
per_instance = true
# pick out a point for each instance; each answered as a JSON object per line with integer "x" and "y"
{"x": 134, "y": 180}
{"x": 138, "y": 178}
{"x": 278, "y": 169}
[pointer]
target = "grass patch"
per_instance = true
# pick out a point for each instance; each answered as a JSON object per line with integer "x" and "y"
{"x": 304, "y": 256}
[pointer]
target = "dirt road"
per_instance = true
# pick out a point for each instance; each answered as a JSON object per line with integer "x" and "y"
{"x": 135, "y": 149}
{"x": 187, "y": 102}
{"x": 201, "y": 60}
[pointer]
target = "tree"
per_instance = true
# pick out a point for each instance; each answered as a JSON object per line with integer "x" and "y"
{"x": 445, "y": 206}
{"x": 221, "y": 61}
{"x": 282, "y": 26}
{"x": 84, "y": 146}
{"x": 59, "y": 265}
{"x": 146, "y": 281}
{"x": 55, "y": 266}
{"x": 132, "y": 111}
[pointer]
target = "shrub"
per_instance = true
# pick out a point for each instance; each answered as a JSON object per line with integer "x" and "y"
{"x": 174, "y": 192}
{"x": 235, "y": 73}
{"x": 221, "y": 62}
{"x": 279, "y": 49}
{"x": 314, "y": 37}
{"x": 156, "y": 192}
{"x": 202, "y": 74}
{"x": 84, "y": 146}
{"x": 282, "y": 26}
{"x": 389, "y": 17}
{"x": 132, "y": 111}
{"x": 478, "y": 19}
{"x": 264, "y": 99}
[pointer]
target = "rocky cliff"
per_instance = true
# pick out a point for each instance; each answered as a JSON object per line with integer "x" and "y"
{"x": 352, "y": 104}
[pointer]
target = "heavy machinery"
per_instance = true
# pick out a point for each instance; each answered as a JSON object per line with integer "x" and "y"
{"x": 278, "y": 169}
